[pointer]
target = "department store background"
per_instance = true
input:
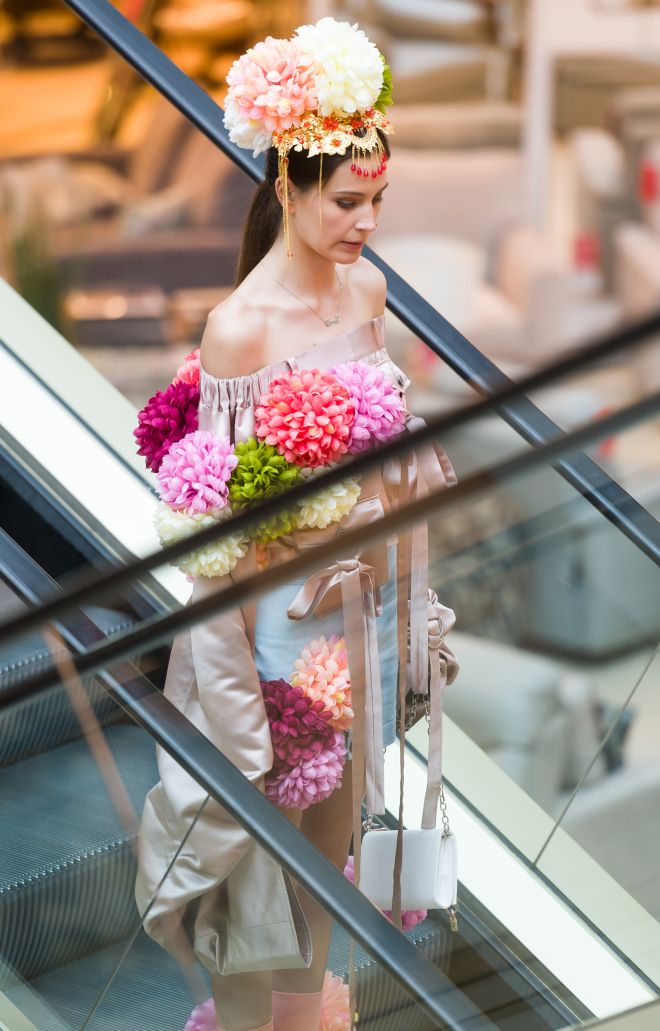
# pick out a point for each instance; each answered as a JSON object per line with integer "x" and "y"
{"x": 524, "y": 204}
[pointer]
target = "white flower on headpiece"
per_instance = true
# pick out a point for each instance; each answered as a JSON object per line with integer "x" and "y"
{"x": 328, "y": 506}
{"x": 350, "y": 74}
{"x": 246, "y": 132}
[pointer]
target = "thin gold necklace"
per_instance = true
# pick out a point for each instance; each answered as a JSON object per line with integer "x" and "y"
{"x": 334, "y": 321}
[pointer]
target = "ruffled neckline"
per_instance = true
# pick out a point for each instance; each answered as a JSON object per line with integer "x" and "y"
{"x": 325, "y": 352}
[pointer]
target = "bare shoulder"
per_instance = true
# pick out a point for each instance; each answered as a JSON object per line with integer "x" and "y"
{"x": 371, "y": 282}
{"x": 232, "y": 344}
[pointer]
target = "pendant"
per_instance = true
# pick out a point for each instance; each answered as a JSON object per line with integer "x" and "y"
{"x": 332, "y": 322}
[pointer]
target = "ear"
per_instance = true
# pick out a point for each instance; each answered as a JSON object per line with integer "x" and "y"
{"x": 280, "y": 193}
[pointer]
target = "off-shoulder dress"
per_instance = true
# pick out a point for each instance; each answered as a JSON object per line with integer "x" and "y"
{"x": 204, "y": 888}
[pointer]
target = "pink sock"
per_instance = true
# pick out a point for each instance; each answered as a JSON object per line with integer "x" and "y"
{"x": 296, "y": 1012}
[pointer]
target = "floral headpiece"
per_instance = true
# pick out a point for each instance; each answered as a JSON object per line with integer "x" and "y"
{"x": 325, "y": 90}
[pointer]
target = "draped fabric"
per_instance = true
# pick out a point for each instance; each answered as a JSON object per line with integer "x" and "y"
{"x": 204, "y": 888}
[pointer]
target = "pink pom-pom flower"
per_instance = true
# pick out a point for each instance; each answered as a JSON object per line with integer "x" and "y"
{"x": 167, "y": 417}
{"x": 193, "y": 474}
{"x": 312, "y": 779}
{"x": 273, "y": 83}
{"x": 188, "y": 371}
{"x": 335, "y": 1004}
{"x": 409, "y": 917}
{"x": 295, "y": 721}
{"x": 322, "y": 674}
{"x": 307, "y": 416}
{"x": 202, "y": 1018}
{"x": 380, "y": 409}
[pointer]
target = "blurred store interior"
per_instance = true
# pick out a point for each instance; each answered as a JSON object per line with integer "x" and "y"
{"x": 524, "y": 204}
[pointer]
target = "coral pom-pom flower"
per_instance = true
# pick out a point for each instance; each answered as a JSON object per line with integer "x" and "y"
{"x": 335, "y": 1004}
{"x": 322, "y": 674}
{"x": 380, "y": 410}
{"x": 188, "y": 371}
{"x": 307, "y": 416}
{"x": 194, "y": 473}
{"x": 167, "y": 417}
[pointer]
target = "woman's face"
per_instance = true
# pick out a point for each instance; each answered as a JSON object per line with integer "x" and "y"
{"x": 350, "y": 205}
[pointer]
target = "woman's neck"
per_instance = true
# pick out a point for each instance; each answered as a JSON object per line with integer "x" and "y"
{"x": 309, "y": 274}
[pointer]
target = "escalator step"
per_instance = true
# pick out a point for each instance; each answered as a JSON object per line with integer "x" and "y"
{"x": 47, "y": 720}
{"x": 67, "y": 868}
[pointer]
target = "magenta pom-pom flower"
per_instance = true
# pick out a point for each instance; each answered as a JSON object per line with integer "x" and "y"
{"x": 295, "y": 720}
{"x": 193, "y": 474}
{"x": 203, "y": 1018}
{"x": 307, "y": 416}
{"x": 167, "y": 417}
{"x": 380, "y": 410}
{"x": 409, "y": 917}
{"x": 312, "y": 779}
{"x": 188, "y": 371}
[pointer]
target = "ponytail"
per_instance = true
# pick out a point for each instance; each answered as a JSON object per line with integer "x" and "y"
{"x": 262, "y": 223}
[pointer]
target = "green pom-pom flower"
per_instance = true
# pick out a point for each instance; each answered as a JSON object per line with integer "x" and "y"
{"x": 385, "y": 95}
{"x": 261, "y": 472}
{"x": 271, "y": 527}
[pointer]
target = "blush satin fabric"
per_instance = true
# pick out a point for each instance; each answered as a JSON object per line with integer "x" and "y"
{"x": 204, "y": 889}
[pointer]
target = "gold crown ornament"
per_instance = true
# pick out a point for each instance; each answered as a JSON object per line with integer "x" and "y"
{"x": 324, "y": 91}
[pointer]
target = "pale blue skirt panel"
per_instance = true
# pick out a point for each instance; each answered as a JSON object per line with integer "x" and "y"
{"x": 280, "y": 640}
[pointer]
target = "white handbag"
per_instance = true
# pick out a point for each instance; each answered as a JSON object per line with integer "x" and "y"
{"x": 426, "y": 875}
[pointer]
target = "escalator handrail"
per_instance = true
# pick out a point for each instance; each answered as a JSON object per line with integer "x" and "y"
{"x": 224, "y": 782}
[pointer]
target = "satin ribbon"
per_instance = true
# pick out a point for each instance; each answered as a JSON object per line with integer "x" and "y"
{"x": 427, "y": 469}
{"x": 361, "y": 604}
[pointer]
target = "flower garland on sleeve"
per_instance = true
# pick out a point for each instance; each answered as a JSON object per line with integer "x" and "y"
{"x": 306, "y": 421}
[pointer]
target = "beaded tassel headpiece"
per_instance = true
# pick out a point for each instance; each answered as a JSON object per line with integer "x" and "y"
{"x": 325, "y": 91}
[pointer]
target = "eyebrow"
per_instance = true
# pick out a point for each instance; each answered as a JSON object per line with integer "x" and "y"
{"x": 357, "y": 193}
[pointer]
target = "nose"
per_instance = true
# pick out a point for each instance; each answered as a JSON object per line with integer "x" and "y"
{"x": 366, "y": 224}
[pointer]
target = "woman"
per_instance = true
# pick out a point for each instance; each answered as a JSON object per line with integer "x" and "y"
{"x": 307, "y": 315}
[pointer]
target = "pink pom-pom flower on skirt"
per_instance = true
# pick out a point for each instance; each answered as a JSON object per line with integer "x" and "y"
{"x": 312, "y": 779}
{"x": 203, "y": 1018}
{"x": 307, "y": 416}
{"x": 167, "y": 417}
{"x": 194, "y": 473}
{"x": 380, "y": 409}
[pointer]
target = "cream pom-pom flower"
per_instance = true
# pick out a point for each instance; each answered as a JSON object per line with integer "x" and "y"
{"x": 327, "y": 506}
{"x": 215, "y": 559}
{"x": 349, "y": 76}
{"x": 322, "y": 674}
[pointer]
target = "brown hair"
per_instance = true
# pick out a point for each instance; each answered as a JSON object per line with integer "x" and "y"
{"x": 265, "y": 215}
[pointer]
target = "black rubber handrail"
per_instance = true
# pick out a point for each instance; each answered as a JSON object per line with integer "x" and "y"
{"x": 436, "y": 332}
{"x": 224, "y": 782}
{"x": 162, "y": 629}
{"x": 88, "y": 587}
